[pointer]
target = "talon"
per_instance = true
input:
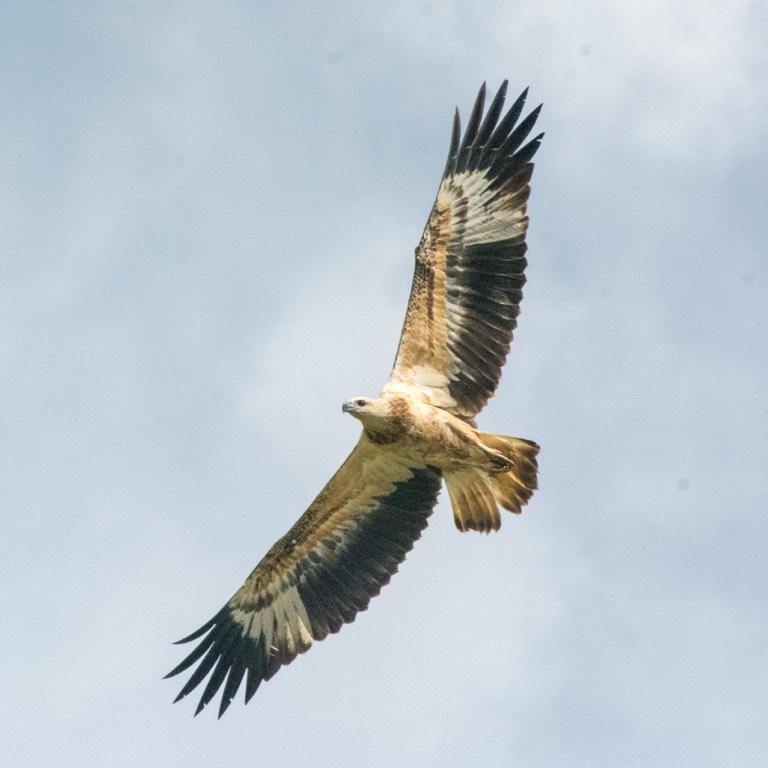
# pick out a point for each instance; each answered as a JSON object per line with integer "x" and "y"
{"x": 502, "y": 462}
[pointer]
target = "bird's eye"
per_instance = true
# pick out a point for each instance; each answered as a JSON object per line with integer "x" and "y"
{"x": 360, "y": 403}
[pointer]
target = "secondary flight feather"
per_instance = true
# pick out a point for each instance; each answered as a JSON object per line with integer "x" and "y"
{"x": 419, "y": 432}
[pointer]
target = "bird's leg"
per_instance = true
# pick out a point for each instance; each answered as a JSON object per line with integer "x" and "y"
{"x": 499, "y": 462}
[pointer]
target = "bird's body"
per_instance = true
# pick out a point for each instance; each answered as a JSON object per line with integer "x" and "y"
{"x": 418, "y": 432}
{"x": 477, "y": 467}
{"x": 416, "y": 428}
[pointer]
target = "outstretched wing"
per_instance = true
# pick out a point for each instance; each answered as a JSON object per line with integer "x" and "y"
{"x": 470, "y": 263}
{"x": 339, "y": 555}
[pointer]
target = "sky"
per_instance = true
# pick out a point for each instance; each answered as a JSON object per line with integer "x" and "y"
{"x": 208, "y": 215}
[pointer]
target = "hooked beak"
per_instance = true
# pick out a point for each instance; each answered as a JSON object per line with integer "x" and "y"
{"x": 348, "y": 407}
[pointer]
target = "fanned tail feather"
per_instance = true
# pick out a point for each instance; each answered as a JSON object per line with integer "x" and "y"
{"x": 476, "y": 494}
{"x": 473, "y": 500}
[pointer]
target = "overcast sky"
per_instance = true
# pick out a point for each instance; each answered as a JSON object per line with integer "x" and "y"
{"x": 208, "y": 215}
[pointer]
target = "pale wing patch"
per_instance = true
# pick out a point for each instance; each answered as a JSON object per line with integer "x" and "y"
{"x": 285, "y": 624}
{"x": 491, "y": 214}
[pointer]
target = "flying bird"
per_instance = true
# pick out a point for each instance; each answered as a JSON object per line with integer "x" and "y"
{"x": 419, "y": 432}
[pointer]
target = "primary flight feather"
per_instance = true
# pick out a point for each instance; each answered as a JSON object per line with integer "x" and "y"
{"x": 463, "y": 307}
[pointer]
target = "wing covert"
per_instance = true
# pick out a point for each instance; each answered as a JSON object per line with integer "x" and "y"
{"x": 317, "y": 577}
{"x": 470, "y": 263}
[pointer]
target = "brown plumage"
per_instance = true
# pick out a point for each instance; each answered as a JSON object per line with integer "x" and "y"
{"x": 462, "y": 310}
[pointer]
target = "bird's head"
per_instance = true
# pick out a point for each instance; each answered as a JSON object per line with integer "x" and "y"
{"x": 380, "y": 422}
{"x": 369, "y": 410}
{"x": 357, "y": 406}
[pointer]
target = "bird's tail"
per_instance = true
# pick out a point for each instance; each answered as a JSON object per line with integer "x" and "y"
{"x": 475, "y": 494}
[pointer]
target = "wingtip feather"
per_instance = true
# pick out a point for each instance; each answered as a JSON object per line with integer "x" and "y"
{"x": 453, "y": 148}
{"x": 198, "y": 632}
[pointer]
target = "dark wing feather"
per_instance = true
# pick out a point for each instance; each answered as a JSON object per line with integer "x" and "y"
{"x": 339, "y": 555}
{"x": 470, "y": 264}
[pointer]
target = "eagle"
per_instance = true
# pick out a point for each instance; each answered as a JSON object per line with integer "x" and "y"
{"x": 420, "y": 430}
